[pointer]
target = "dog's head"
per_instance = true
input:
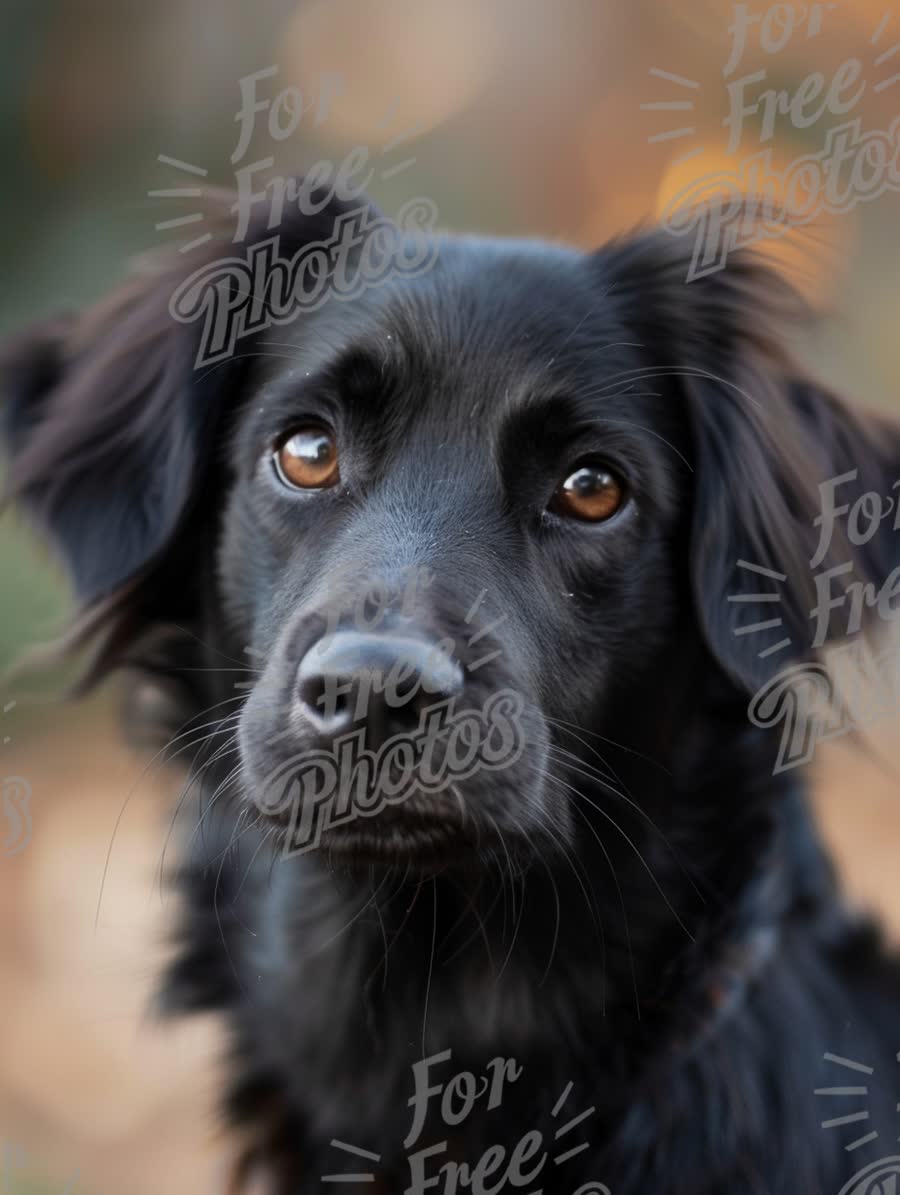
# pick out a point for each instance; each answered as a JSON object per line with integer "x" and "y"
{"x": 449, "y": 534}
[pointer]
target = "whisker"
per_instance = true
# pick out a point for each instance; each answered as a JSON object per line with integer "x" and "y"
{"x": 590, "y": 774}
{"x": 620, "y": 893}
{"x": 633, "y": 846}
{"x": 160, "y": 754}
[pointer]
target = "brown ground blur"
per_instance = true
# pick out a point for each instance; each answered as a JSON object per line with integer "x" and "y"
{"x": 88, "y": 1081}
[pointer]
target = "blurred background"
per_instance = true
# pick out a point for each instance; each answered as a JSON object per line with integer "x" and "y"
{"x": 568, "y": 119}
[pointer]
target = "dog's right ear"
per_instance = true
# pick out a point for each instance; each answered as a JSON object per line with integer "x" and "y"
{"x": 104, "y": 422}
{"x": 110, "y": 427}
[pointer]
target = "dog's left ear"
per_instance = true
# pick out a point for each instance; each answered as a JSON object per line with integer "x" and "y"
{"x": 795, "y": 495}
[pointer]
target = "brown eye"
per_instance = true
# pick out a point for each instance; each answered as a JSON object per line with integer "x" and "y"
{"x": 308, "y": 459}
{"x": 591, "y": 493}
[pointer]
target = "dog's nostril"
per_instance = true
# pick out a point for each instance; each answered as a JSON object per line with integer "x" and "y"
{"x": 325, "y": 696}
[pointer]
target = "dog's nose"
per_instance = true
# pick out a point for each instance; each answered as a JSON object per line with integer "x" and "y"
{"x": 382, "y": 682}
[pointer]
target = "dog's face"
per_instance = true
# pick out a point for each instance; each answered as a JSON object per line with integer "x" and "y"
{"x": 455, "y": 526}
{"x": 450, "y": 502}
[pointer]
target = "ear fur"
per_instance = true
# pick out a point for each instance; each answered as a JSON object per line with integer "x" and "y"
{"x": 770, "y": 444}
{"x": 110, "y": 430}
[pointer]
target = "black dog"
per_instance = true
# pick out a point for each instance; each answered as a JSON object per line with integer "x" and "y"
{"x": 501, "y": 512}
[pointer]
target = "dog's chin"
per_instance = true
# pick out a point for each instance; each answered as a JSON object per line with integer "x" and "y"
{"x": 418, "y": 844}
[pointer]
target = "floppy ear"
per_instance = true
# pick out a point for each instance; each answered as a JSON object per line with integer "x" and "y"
{"x": 110, "y": 429}
{"x": 103, "y": 423}
{"x": 775, "y": 458}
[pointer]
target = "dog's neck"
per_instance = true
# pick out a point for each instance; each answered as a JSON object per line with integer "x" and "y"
{"x": 361, "y": 972}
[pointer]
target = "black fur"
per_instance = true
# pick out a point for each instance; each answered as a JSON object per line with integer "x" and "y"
{"x": 637, "y": 906}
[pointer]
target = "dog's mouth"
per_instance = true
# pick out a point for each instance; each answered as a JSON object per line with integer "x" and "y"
{"x": 421, "y": 827}
{"x": 410, "y": 837}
